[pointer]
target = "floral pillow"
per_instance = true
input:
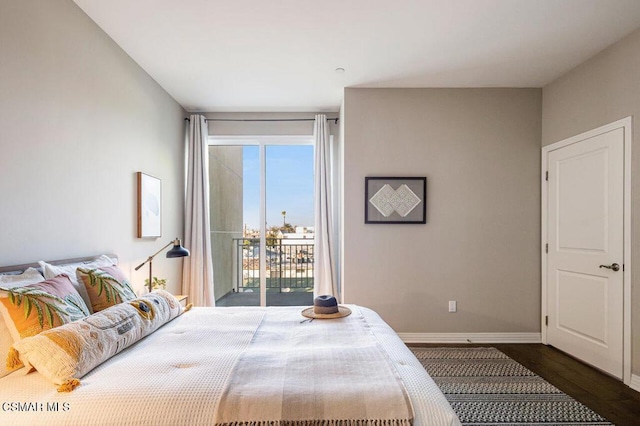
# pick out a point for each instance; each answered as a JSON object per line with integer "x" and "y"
{"x": 106, "y": 286}
{"x": 51, "y": 271}
{"x": 30, "y": 276}
{"x": 33, "y": 308}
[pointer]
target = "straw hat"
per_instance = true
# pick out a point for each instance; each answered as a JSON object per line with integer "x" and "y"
{"x": 325, "y": 307}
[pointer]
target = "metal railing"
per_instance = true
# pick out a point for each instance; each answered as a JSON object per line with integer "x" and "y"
{"x": 289, "y": 264}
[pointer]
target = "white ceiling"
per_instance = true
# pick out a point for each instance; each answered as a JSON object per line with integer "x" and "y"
{"x": 281, "y": 55}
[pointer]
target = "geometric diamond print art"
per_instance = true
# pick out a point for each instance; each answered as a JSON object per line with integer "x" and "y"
{"x": 405, "y": 200}
{"x": 402, "y": 200}
{"x": 381, "y": 200}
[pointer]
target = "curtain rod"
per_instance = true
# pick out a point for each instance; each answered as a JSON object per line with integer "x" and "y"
{"x": 335, "y": 119}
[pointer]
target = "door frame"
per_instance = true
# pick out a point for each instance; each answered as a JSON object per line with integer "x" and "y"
{"x": 262, "y": 141}
{"x": 625, "y": 124}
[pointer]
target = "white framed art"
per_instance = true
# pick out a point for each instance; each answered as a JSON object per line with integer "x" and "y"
{"x": 149, "y": 206}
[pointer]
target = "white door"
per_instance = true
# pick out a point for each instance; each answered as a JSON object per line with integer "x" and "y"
{"x": 585, "y": 218}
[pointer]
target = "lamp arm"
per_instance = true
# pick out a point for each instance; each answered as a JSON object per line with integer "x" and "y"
{"x": 150, "y": 258}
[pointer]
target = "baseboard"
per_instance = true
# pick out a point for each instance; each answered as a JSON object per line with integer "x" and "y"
{"x": 635, "y": 382}
{"x": 471, "y": 337}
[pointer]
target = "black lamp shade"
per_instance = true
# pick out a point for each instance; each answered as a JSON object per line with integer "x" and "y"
{"x": 177, "y": 251}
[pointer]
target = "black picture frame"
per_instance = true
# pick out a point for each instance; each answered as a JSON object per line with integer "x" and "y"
{"x": 383, "y": 204}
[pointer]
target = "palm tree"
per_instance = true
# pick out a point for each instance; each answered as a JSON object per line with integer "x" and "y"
{"x": 284, "y": 217}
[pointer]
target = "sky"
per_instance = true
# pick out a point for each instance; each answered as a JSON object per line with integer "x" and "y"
{"x": 289, "y": 185}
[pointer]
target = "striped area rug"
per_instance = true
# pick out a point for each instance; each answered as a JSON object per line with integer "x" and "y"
{"x": 486, "y": 387}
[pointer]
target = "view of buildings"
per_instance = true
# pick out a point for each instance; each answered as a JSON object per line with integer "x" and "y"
{"x": 289, "y": 265}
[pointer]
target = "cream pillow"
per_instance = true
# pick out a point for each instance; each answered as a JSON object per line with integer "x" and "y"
{"x": 65, "y": 354}
{"x": 30, "y": 276}
{"x": 51, "y": 271}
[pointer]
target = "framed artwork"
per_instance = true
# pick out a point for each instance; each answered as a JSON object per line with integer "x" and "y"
{"x": 395, "y": 200}
{"x": 149, "y": 206}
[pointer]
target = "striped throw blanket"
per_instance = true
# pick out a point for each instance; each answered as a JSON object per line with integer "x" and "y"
{"x": 312, "y": 373}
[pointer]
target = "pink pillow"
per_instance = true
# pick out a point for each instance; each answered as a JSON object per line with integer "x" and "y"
{"x": 33, "y": 308}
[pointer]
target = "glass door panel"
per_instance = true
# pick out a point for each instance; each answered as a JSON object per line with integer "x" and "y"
{"x": 234, "y": 188}
{"x": 289, "y": 225}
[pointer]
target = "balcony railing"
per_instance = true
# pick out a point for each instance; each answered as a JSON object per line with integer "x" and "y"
{"x": 289, "y": 264}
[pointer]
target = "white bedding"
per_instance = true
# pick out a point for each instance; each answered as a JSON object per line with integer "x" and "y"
{"x": 176, "y": 376}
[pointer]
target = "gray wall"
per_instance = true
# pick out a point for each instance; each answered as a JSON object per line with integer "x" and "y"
{"x": 602, "y": 90}
{"x": 480, "y": 152}
{"x": 78, "y": 118}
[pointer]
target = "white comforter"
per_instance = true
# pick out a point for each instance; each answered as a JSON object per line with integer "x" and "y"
{"x": 176, "y": 376}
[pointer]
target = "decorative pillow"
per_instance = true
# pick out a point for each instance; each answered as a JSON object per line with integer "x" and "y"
{"x": 30, "y": 276}
{"x": 65, "y": 354}
{"x": 33, "y": 308}
{"x": 51, "y": 271}
{"x": 106, "y": 286}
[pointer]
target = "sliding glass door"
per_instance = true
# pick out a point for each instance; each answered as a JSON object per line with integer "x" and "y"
{"x": 262, "y": 220}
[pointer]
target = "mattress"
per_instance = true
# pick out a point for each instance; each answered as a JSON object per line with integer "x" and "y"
{"x": 177, "y": 375}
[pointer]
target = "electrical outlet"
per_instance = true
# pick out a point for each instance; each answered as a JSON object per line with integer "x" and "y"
{"x": 453, "y": 306}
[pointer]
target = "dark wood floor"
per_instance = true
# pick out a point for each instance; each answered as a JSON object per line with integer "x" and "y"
{"x": 603, "y": 394}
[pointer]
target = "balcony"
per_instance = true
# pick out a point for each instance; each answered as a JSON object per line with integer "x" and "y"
{"x": 289, "y": 272}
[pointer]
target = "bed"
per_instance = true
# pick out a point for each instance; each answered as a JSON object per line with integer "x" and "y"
{"x": 237, "y": 366}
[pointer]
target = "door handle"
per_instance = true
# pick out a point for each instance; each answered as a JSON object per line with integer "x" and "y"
{"x": 614, "y": 267}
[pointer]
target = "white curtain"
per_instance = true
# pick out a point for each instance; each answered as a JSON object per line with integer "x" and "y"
{"x": 197, "y": 276}
{"x": 325, "y": 259}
